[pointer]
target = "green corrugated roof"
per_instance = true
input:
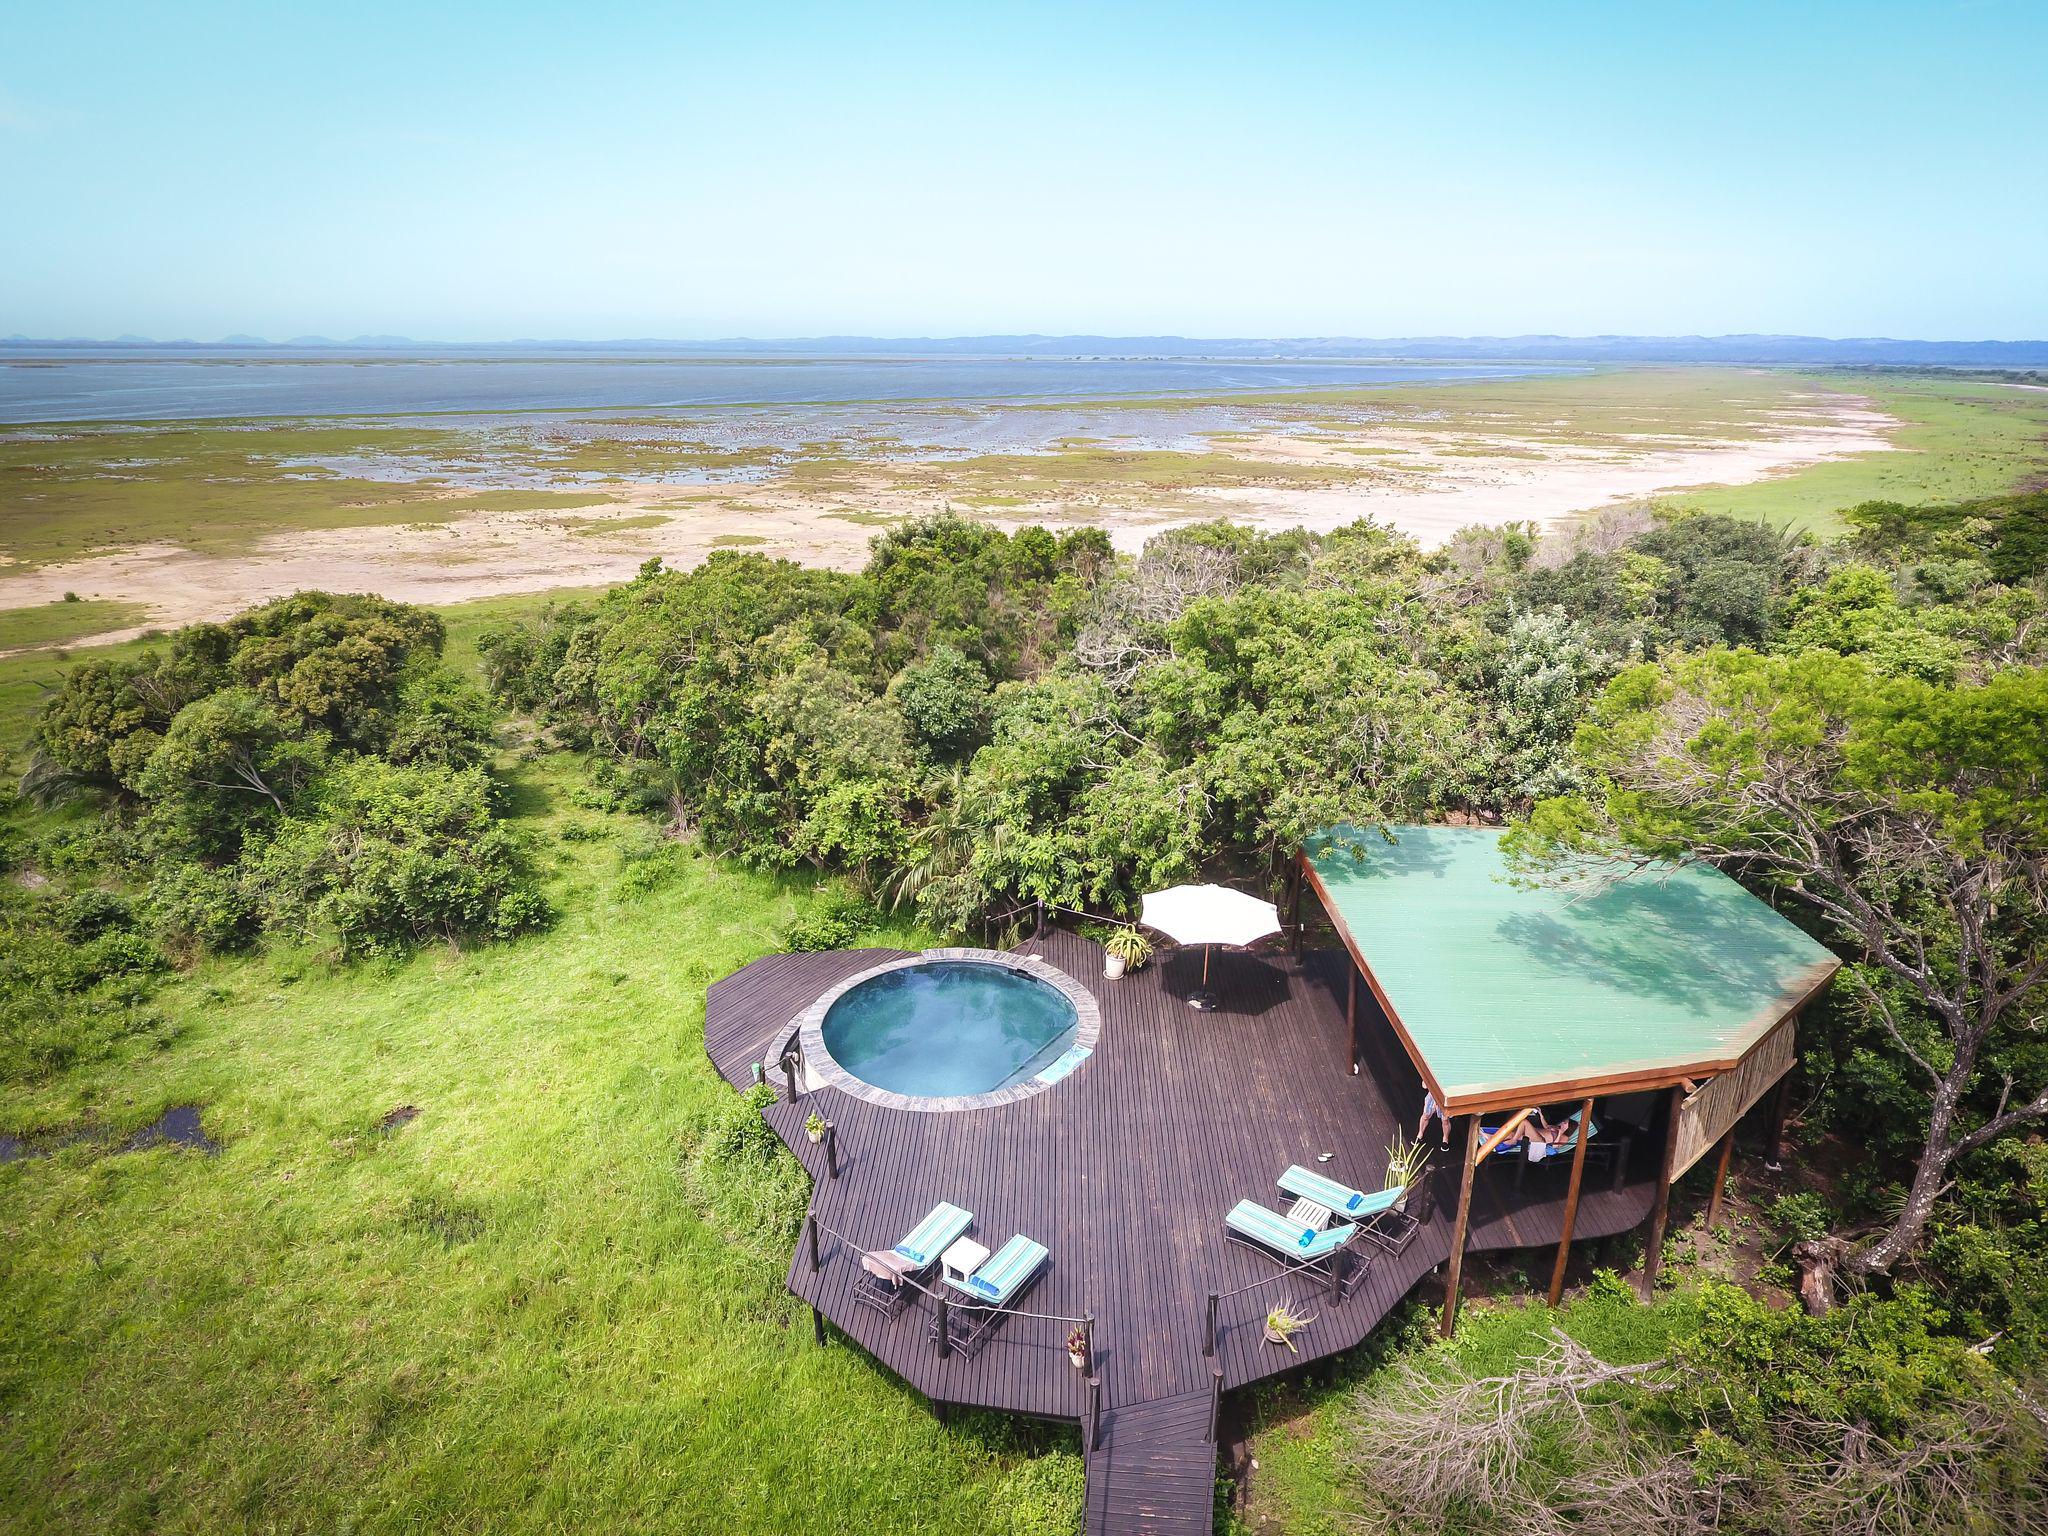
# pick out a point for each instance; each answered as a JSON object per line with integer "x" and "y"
{"x": 1501, "y": 986}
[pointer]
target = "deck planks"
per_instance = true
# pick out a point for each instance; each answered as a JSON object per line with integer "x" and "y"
{"x": 1124, "y": 1171}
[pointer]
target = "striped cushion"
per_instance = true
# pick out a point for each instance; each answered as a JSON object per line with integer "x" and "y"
{"x": 1016, "y": 1262}
{"x": 935, "y": 1234}
{"x": 1277, "y": 1232}
{"x": 1341, "y": 1198}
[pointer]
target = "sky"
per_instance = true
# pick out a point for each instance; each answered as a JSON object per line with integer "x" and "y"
{"x": 472, "y": 172}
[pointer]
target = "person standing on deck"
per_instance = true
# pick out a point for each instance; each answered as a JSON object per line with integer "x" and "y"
{"x": 1432, "y": 1109}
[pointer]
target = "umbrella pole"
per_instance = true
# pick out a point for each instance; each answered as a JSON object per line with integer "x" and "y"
{"x": 1205, "y": 964}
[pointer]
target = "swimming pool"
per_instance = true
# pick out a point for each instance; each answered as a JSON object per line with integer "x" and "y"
{"x": 952, "y": 1029}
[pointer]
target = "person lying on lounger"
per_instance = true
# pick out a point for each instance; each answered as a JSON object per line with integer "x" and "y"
{"x": 1545, "y": 1138}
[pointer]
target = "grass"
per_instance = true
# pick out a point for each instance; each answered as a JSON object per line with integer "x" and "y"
{"x": 55, "y": 624}
{"x": 587, "y": 526}
{"x": 216, "y": 486}
{"x": 1960, "y": 441}
{"x": 526, "y": 501}
{"x": 507, "y": 1314}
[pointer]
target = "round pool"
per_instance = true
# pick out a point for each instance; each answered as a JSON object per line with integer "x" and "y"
{"x": 951, "y": 1029}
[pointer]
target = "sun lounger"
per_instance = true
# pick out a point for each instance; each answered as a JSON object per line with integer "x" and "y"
{"x": 1342, "y": 1199}
{"x": 1297, "y": 1245}
{"x": 991, "y": 1291}
{"x": 1381, "y": 1215}
{"x": 882, "y": 1274}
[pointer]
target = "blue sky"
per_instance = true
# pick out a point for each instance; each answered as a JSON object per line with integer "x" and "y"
{"x": 484, "y": 171}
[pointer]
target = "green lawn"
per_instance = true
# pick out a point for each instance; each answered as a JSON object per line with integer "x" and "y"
{"x": 508, "y": 1314}
{"x": 53, "y": 624}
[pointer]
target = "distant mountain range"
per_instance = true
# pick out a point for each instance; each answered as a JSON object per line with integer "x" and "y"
{"x": 1781, "y": 350}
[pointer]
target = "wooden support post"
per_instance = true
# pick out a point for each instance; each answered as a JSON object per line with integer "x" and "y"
{"x": 832, "y": 1149}
{"x": 818, "y": 1325}
{"x": 1038, "y": 923}
{"x": 1294, "y": 885}
{"x": 1088, "y": 1345}
{"x": 1720, "y": 1177}
{"x": 1209, "y": 1333}
{"x": 945, "y": 1329}
{"x": 789, "y": 1075}
{"x": 811, "y": 1232}
{"x": 1781, "y": 1106}
{"x": 1660, "y": 1213}
{"x": 1571, "y": 1200}
{"x": 1094, "y": 1413}
{"x": 1215, "y": 1403}
{"x": 1351, "y": 1007}
{"x": 1458, "y": 1227}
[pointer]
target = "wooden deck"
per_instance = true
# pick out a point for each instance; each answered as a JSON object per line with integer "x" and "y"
{"x": 1124, "y": 1171}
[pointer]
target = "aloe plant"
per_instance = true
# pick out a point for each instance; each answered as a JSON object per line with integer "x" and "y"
{"x": 1129, "y": 945}
{"x": 1282, "y": 1325}
{"x": 1405, "y": 1161}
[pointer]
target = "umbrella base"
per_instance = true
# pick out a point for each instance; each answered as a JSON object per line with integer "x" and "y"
{"x": 1204, "y": 1000}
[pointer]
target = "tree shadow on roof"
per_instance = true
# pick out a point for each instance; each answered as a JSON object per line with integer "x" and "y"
{"x": 1669, "y": 941}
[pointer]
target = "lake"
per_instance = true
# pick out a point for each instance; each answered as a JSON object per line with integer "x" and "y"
{"x": 171, "y": 385}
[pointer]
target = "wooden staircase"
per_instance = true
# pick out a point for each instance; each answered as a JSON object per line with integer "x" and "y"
{"x": 1155, "y": 1470}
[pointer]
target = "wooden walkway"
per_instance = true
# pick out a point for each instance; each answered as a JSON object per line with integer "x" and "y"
{"x": 1124, "y": 1171}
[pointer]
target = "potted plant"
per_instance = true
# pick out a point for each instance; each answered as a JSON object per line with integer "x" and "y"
{"x": 1282, "y": 1325}
{"x": 1405, "y": 1162}
{"x": 1125, "y": 950}
{"x": 1077, "y": 1348}
{"x": 814, "y": 1127}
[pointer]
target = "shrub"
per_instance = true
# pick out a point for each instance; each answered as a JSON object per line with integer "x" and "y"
{"x": 1044, "y": 1496}
{"x": 393, "y": 855}
{"x": 191, "y": 906}
{"x": 833, "y": 926}
{"x": 743, "y": 1178}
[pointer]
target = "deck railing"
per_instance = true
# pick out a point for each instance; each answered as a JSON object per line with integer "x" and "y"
{"x": 945, "y": 1306}
{"x": 1348, "y": 1269}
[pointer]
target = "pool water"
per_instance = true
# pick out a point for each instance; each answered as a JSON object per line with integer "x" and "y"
{"x": 949, "y": 1027}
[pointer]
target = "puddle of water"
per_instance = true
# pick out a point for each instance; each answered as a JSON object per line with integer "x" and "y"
{"x": 179, "y": 1126}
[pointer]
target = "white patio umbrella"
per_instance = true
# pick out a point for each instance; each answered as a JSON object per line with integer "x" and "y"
{"x": 1208, "y": 915}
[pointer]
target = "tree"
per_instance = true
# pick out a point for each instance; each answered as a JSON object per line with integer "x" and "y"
{"x": 388, "y": 855}
{"x": 1546, "y": 674}
{"x": 944, "y": 699}
{"x": 1910, "y": 820}
{"x": 227, "y": 763}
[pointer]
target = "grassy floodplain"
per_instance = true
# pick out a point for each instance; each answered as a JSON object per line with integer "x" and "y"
{"x": 1961, "y": 440}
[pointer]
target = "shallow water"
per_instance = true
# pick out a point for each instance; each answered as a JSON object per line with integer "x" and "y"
{"x": 178, "y": 1125}
{"x": 166, "y": 384}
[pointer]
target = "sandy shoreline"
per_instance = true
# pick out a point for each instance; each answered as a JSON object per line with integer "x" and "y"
{"x": 1411, "y": 474}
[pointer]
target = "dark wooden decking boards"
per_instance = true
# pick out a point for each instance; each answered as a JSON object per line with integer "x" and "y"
{"x": 1124, "y": 1170}
{"x": 1155, "y": 1469}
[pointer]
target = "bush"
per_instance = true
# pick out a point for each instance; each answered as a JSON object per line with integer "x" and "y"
{"x": 91, "y": 913}
{"x": 833, "y": 926}
{"x": 394, "y": 855}
{"x": 1045, "y": 1496}
{"x": 193, "y": 907}
{"x": 744, "y": 1178}
{"x": 63, "y": 999}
